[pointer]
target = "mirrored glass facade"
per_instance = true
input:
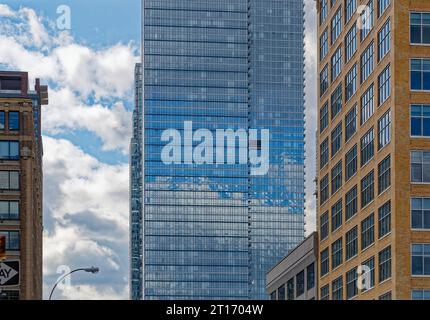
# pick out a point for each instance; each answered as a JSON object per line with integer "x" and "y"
{"x": 212, "y": 231}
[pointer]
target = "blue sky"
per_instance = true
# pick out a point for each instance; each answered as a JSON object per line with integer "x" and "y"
{"x": 87, "y": 127}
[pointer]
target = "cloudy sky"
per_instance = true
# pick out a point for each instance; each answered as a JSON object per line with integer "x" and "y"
{"x": 86, "y": 130}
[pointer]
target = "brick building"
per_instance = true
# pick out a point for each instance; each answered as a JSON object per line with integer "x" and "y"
{"x": 374, "y": 149}
{"x": 21, "y": 183}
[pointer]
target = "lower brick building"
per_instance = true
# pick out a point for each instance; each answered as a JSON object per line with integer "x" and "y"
{"x": 21, "y": 223}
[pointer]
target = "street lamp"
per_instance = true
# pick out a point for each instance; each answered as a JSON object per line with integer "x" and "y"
{"x": 90, "y": 270}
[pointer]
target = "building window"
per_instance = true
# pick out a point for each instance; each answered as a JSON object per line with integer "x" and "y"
{"x": 323, "y": 10}
{"x": 350, "y": 43}
{"x": 300, "y": 283}
{"x": 325, "y": 293}
{"x": 336, "y": 254}
{"x": 384, "y": 40}
{"x": 421, "y": 259}
{"x": 351, "y": 243}
{"x": 366, "y": 62}
{"x": 351, "y": 203}
{"x": 384, "y": 87}
{"x": 13, "y": 120}
{"x": 420, "y": 213}
{"x": 336, "y": 25}
{"x": 420, "y": 166}
{"x": 273, "y": 295}
{"x": 324, "y": 262}
{"x": 324, "y": 80}
{"x": 367, "y": 105}
{"x": 421, "y": 294}
{"x": 12, "y": 240}
{"x": 336, "y": 63}
{"x": 350, "y": 8}
{"x": 310, "y": 276}
{"x": 336, "y": 139}
{"x": 2, "y": 120}
{"x": 324, "y": 117}
{"x": 385, "y": 264}
{"x": 324, "y": 153}
{"x": 382, "y": 6}
{"x": 324, "y": 44}
{"x": 367, "y": 231}
{"x": 420, "y": 27}
{"x": 290, "y": 289}
{"x": 367, "y": 147}
{"x": 9, "y": 180}
{"x": 370, "y": 263}
{"x": 384, "y": 219}
{"x": 351, "y": 283}
{"x": 384, "y": 130}
{"x": 281, "y": 293}
{"x": 324, "y": 189}
{"x": 336, "y": 101}
{"x": 336, "y": 177}
{"x": 367, "y": 189}
{"x": 386, "y": 296}
{"x": 351, "y": 123}
{"x": 384, "y": 174}
{"x": 336, "y": 216}
{"x": 9, "y": 150}
{"x": 351, "y": 163}
{"x": 9, "y": 295}
{"x": 420, "y": 120}
{"x": 9, "y": 210}
{"x": 351, "y": 83}
{"x": 324, "y": 225}
{"x": 367, "y": 20}
{"x": 420, "y": 74}
{"x": 337, "y": 289}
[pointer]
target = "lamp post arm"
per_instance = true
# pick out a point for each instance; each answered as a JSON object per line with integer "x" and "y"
{"x": 62, "y": 278}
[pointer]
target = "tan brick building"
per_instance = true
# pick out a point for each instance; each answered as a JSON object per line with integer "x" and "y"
{"x": 21, "y": 183}
{"x": 373, "y": 167}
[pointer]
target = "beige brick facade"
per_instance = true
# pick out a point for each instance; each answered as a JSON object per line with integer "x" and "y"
{"x": 401, "y": 190}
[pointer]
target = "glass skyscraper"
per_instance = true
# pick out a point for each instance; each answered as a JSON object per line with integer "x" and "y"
{"x": 212, "y": 231}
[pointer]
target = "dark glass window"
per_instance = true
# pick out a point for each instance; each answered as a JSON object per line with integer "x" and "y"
{"x": 350, "y": 123}
{"x": 385, "y": 264}
{"x": 9, "y": 210}
{"x": 325, "y": 293}
{"x": 351, "y": 283}
{"x": 324, "y": 225}
{"x": 351, "y": 243}
{"x": 324, "y": 153}
{"x": 13, "y": 120}
{"x": 9, "y": 150}
{"x": 420, "y": 120}
{"x": 336, "y": 177}
{"x": 337, "y": 289}
{"x": 336, "y": 139}
{"x": 421, "y": 259}
{"x": 2, "y": 120}
{"x": 420, "y": 166}
{"x": 336, "y": 215}
{"x": 384, "y": 174}
{"x": 370, "y": 273}
{"x": 12, "y": 240}
{"x": 367, "y": 232}
{"x": 310, "y": 276}
{"x": 384, "y": 219}
{"x": 336, "y": 254}
{"x": 351, "y": 163}
{"x": 300, "y": 283}
{"x": 281, "y": 293}
{"x": 324, "y": 189}
{"x": 384, "y": 40}
{"x": 324, "y": 117}
{"x": 420, "y": 27}
{"x": 351, "y": 205}
{"x": 367, "y": 147}
{"x": 367, "y": 189}
{"x": 384, "y": 130}
{"x": 324, "y": 262}
{"x": 420, "y": 212}
{"x": 336, "y": 101}
{"x": 420, "y": 74}
{"x": 290, "y": 289}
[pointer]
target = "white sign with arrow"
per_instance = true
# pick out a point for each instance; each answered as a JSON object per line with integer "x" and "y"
{"x": 9, "y": 273}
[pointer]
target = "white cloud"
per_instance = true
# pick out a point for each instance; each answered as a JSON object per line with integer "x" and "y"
{"x": 86, "y": 84}
{"x": 5, "y": 11}
{"x": 86, "y": 220}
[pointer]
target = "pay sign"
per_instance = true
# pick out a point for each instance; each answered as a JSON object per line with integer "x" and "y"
{"x": 9, "y": 273}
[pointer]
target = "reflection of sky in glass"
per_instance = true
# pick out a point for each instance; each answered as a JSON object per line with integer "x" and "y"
{"x": 213, "y": 231}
